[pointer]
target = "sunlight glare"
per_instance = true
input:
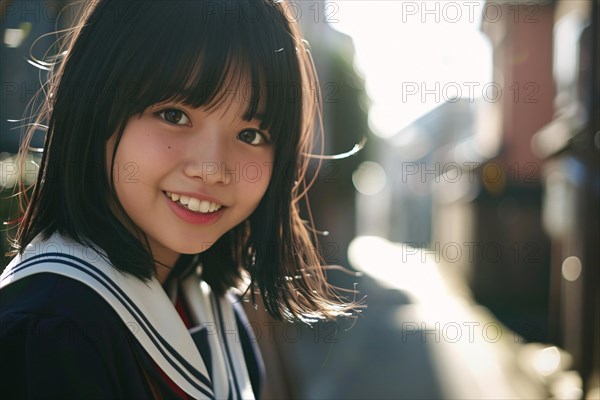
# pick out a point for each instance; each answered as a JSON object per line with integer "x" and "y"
{"x": 413, "y": 60}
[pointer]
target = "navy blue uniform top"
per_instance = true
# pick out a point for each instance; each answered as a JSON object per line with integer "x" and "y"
{"x": 60, "y": 340}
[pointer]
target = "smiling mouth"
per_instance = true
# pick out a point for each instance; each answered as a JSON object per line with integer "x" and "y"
{"x": 193, "y": 204}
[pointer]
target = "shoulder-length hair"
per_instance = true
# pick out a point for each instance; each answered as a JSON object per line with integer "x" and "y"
{"x": 126, "y": 56}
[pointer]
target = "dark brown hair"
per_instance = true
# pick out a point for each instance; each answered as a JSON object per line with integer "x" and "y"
{"x": 126, "y": 56}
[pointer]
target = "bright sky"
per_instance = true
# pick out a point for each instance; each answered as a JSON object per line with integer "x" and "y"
{"x": 415, "y": 55}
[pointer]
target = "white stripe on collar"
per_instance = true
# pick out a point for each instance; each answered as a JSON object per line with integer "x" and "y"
{"x": 230, "y": 374}
{"x": 143, "y": 306}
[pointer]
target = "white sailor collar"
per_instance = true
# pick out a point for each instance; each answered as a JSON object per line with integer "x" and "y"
{"x": 143, "y": 306}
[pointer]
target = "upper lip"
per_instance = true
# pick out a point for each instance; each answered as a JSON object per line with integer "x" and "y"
{"x": 199, "y": 196}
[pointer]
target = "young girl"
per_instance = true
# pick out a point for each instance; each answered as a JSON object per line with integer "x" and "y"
{"x": 177, "y": 140}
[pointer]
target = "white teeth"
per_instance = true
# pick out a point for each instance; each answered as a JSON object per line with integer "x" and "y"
{"x": 184, "y": 200}
{"x": 204, "y": 206}
{"x": 193, "y": 204}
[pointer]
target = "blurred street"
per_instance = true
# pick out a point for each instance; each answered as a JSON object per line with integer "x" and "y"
{"x": 422, "y": 337}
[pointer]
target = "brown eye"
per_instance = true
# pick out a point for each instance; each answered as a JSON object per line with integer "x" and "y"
{"x": 174, "y": 116}
{"x": 252, "y": 137}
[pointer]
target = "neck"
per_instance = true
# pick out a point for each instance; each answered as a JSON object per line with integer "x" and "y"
{"x": 165, "y": 260}
{"x": 162, "y": 272}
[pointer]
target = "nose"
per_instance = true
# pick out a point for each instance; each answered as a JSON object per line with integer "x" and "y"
{"x": 206, "y": 159}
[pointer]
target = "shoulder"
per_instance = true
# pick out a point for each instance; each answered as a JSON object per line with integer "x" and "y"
{"x": 46, "y": 303}
{"x": 54, "y": 295}
{"x": 62, "y": 339}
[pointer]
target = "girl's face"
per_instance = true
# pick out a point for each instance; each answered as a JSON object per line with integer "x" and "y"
{"x": 187, "y": 176}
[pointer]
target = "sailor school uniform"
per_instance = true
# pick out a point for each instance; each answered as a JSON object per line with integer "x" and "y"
{"x": 72, "y": 326}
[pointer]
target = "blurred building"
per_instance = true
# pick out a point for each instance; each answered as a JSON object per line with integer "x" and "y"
{"x": 569, "y": 145}
{"x": 512, "y": 277}
{"x": 535, "y": 214}
{"x": 417, "y": 160}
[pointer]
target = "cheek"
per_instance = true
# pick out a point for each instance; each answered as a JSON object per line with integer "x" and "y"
{"x": 259, "y": 173}
{"x": 143, "y": 154}
{"x": 256, "y": 176}
{"x": 252, "y": 170}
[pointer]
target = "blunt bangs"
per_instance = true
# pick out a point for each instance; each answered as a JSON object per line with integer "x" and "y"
{"x": 125, "y": 56}
{"x": 205, "y": 54}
